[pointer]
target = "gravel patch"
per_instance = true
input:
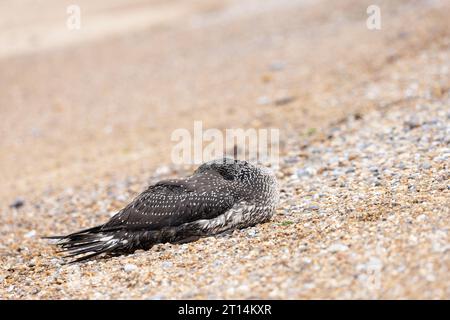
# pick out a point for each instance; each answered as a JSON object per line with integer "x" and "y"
{"x": 364, "y": 214}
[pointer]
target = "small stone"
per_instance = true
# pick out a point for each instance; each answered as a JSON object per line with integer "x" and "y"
{"x": 421, "y": 218}
{"x": 243, "y": 288}
{"x": 401, "y": 166}
{"x": 121, "y": 198}
{"x": 350, "y": 170}
{"x": 56, "y": 262}
{"x": 309, "y": 285}
{"x": 304, "y": 172}
{"x": 162, "y": 170}
{"x": 307, "y": 260}
{"x": 284, "y": 100}
{"x": 217, "y": 263}
{"x": 301, "y": 172}
{"x": 277, "y": 66}
{"x": 263, "y": 100}
{"x": 442, "y": 158}
{"x": 333, "y": 160}
{"x": 317, "y": 196}
{"x": 30, "y": 234}
{"x": 337, "y": 172}
{"x": 17, "y": 203}
{"x": 129, "y": 267}
{"x": 377, "y": 183}
{"x": 374, "y": 170}
{"x": 426, "y": 165}
{"x": 374, "y": 264}
{"x": 230, "y": 291}
{"x": 411, "y": 124}
{"x": 338, "y": 247}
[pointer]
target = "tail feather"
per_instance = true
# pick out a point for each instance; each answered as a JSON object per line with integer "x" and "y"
{"x": 84, "y": 249}
{"x": 77, "y": 244}
{"x": 92, "y": 255}
{"x": 81, "y": 253}
{"x": 92, "y": 242}
{"x": 88, "y": 243}
{"x": 73, "y": 235}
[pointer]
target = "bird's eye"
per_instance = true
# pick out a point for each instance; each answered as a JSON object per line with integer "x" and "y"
{"x": 227, "y": 175}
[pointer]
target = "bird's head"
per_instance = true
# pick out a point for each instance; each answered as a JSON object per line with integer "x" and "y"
{"x": 228, "y": 168}
{"x": 233, "y": 169}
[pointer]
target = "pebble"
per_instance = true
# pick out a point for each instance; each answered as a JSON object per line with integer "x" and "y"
{"x": 374, "y": 264}
{"x": 442, "y": 158}
{"x": 277, "y": 66}
{"x": 129, "y": 267}
{"x": 337, "y": 247}
{"x": 284, "y": 100}
{"x": 251, "y": 233}
{"x": 350, "y": 170}
{"x": 30, "y": 234}
{"x": 17, "y": 203}
{"x": 305, "y": 172}
{"x": 167, "y": 264}
{"x": 426, "y": 165}
{"x": 162, "y": 170}
{"x": 263, "y": 100}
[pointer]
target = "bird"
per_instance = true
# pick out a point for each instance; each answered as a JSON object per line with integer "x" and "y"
{"x": 221, "y": 195}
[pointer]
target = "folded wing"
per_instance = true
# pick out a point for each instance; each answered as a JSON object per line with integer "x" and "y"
{"x": 171, "y": 203}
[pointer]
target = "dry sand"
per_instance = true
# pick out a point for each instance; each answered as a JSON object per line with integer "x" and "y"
{"x": 86, "y": 124}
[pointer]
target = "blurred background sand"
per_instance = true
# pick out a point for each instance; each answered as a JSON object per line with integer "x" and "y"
{"x": 103, "y": 100}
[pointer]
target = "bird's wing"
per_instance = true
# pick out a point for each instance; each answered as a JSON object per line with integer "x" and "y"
{"x": 171, "y": 203}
